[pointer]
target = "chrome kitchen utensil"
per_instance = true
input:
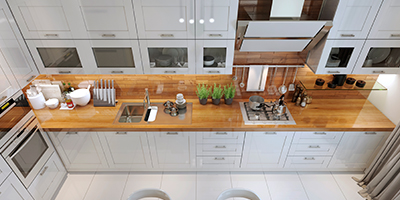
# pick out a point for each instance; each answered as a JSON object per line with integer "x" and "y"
{"x": 234, "y": 78}
{"x": 272, "y": 88}
{"x": 242, "y": 84}
{"x": 283, "y": 89}
{"x": 104, "y": 96}
{"x": 291, "y": 86}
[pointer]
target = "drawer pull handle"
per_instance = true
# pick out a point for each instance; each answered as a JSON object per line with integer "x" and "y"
{"x": 219, "y": 158}
{"x": 270, "y": 133}
{"x": 172, "y": 133}
{"x": 51, "y": 35}
{"x": 3, "y": 97}
{"x": 221, "y": 133}
{"x": 333, "y": 72}
{"x": 29, "y": 79}
{"x": 213, "y": 72}
{"x": 117, "y": 72}
{"x": 312, "y": 158}
{"x": 347, "y": 35}
{"x": 378, "y": 72}
{"x": 394, "y": 35}
{"x": 169, "y": 72}
{"x": 72, "y": 133}
{"x": 370, "y": 133}
{"x": 215, "y": 35}
{"x": 220, "y": 147}
{"x": 64, "y": 72}
{"x": 121, "y": 133}
{"x": 320, "y": 133}
{"x": 314, "y": 146}
{"x": 44, "y": 170}
{"x": 108, "y": 35}
{"x": 167, "y": 35}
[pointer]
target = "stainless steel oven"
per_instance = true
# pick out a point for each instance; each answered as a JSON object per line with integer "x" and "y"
{"x": 27, "y": 147}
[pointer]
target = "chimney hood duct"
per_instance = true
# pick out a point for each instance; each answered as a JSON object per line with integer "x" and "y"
{"x": 280, "y": 36}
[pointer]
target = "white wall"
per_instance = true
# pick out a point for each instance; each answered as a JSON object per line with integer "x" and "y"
{"x": 388, "y": 102}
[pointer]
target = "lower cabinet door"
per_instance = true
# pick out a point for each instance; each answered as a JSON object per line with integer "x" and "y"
{"x": 80, "y": 151}
{"x": 172, "y": 149}
{"x": 12, "y": 189}
{"x": 48, "y": 180}
{"x": 218, "y": 162}
{"x": 307, "y": 162}
{"x": 5, "y": 170}
{"x": 357, "y": 149}
{"x": 126, "y": 150}
{"x": 266, "y": 149}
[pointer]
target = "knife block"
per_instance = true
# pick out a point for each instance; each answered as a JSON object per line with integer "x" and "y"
{"x": 101, "y": 103}
{"x": 104, "y": 96}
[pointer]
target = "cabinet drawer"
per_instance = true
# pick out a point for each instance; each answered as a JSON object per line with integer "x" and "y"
{"x": 219, "y": 149}
{"x": 307, "y": 162}
{"x": 220, "y": 137}
{"x": 218, "y": 162}
{"x": 312, "y": 149}
{"x": 317, "y": 137}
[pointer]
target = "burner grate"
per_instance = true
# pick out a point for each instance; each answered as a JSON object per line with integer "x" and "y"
{"x": 264, "y": 116}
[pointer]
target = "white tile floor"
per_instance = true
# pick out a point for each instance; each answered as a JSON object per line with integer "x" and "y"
{"x": 208, "y": 185}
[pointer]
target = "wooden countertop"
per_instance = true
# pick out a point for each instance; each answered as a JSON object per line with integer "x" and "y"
{"x": 321, "y": 115}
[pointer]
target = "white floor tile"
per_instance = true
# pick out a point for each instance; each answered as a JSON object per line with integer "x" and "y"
{"x": 138, "y": 181}
{"x": 107, "y": 186}
{"x": 210, "y": 185}
{"x": 179, "y": 186}
{"x": 254, "y": 181}
{"x": 348, "y": 186}
{"x": 321, "y": 185}
{"x": 285, "y": 185}
{"x": 75, "y": 187}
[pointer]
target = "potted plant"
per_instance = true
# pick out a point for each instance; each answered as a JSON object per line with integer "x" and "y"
{"x": 229, "y": 93}
{"x": 203, "y": 93}
{"x": 216, "y": 94}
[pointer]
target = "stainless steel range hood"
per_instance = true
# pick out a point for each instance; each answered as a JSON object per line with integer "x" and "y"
{"x": 280, "y": 30}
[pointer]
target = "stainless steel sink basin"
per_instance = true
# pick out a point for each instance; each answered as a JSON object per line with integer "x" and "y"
{"x": 130, "y": 113}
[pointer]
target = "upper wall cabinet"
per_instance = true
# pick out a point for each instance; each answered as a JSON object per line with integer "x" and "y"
{"x": 214, "y": 56}
{"x": 8, "y": 84}
{"x": 386, "y": 24}
{"x": 47, "y": 19}
{"x": 354, "y": 19}
{"x": 186, "y": 19}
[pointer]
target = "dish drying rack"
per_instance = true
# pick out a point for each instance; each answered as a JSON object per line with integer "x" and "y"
{"x": 104, "y": 96}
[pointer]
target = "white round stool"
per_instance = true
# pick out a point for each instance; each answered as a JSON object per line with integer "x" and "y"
{"x": 238, "y": 192}
{"x": 149, "y": 193}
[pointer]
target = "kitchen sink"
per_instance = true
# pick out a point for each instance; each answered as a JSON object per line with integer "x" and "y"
{"x": 134, "y": 113}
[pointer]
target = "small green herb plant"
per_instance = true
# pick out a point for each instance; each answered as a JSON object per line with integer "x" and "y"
{"x": 229, "y": 91}
{"x": 217, "y": 92}
{"x": 203, "y": 92}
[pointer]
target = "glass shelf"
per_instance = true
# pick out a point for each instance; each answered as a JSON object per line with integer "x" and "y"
{"x": 309, "y": 84}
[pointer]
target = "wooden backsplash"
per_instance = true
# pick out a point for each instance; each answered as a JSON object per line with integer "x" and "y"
{"x": 167, "y": 86}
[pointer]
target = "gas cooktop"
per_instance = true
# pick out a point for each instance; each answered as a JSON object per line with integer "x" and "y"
{"x": 264, "y": 116}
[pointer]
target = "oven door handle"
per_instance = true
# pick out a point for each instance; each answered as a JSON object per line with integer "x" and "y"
{"x": 26, "y": 142}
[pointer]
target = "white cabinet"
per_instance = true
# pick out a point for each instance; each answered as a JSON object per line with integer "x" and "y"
{"x": 357, "y": 149}
{"x": 126, "y": 150}
{"x": 115, "y": 56}
{"x": 385, "y": 26}
{"x": 13, "y": 189}
{"x": 80, "y": 151}
{"x": 62, "y": 56}
{"x": 168, "y": 56}
{"x": 334, "y": 56}
{"x": 48, "y": 180}
{"x": 106, "y": 19}
{"x": 5, "y": 170}
{"x": 379, "y": 57}
{"x": 8, "y": 84}
{"x": 264, "y": 150}
{"x": 172, "y": 150}
{"x": 354, "y": 18}
{"x": 47, "y": 19}
{"x": 186, "y": 19}
{"x": 14, "y": 48}
{"x": 221, "y": 53}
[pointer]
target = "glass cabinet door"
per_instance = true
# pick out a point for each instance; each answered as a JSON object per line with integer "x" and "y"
{"x": 214, "y": 56}
{"x": 379, "y": 57}
{"x": 59, "y": 57}
{"x": 168, "y": 57}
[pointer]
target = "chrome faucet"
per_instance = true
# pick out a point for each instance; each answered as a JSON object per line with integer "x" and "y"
{"x": 146, "y": 99}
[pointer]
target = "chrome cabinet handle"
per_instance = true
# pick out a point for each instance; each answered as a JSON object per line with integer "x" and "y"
{"x": 347, "y": 35}
{"x": 219, "y": 158}
{"x": 394, "y": 35}
{"x": 44, "y": 170}
{"x": 72, "y": 133}
{"x": 336, "y": 72}
{"x": 108, "y": 35}
{"x": 314, "y": 146}
{"x": 121, "y": 133}
{"x": 220, "y": 147}
{"x": 214, "y": 72}
{"x": 320, "y": 133}
{"x": 117, "y": 72}
{"x": 3, "y": 97}
{"x": 270, "y": 133}
{"x": 312, "y": 158}
{"x": 167, "y": 35}
{"x": 172, "y": 133}
{"x": 51, "y": 35}
{"x": 221, "y": 133}
{"x": 29, "y": 79}
{"x": 64, "y": 72}
{"x": 215, "y": 35}
{"x": 378, "y": 72}
{"x": 370, "y": 133}
{"x": 169, "y": 72}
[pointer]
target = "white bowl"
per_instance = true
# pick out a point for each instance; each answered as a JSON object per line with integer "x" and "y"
{"x": 52, "y": 103}
{"x": 80, "y": 97}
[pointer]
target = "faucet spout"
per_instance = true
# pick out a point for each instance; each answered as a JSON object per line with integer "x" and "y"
{"x": 147, "y": 97}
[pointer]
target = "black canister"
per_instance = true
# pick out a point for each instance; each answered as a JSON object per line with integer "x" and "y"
{"x": 339, "y": 79}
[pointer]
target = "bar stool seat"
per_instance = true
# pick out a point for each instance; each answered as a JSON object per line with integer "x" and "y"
{"x": 150, "y": 192}
{"x": 238, "y": 192}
